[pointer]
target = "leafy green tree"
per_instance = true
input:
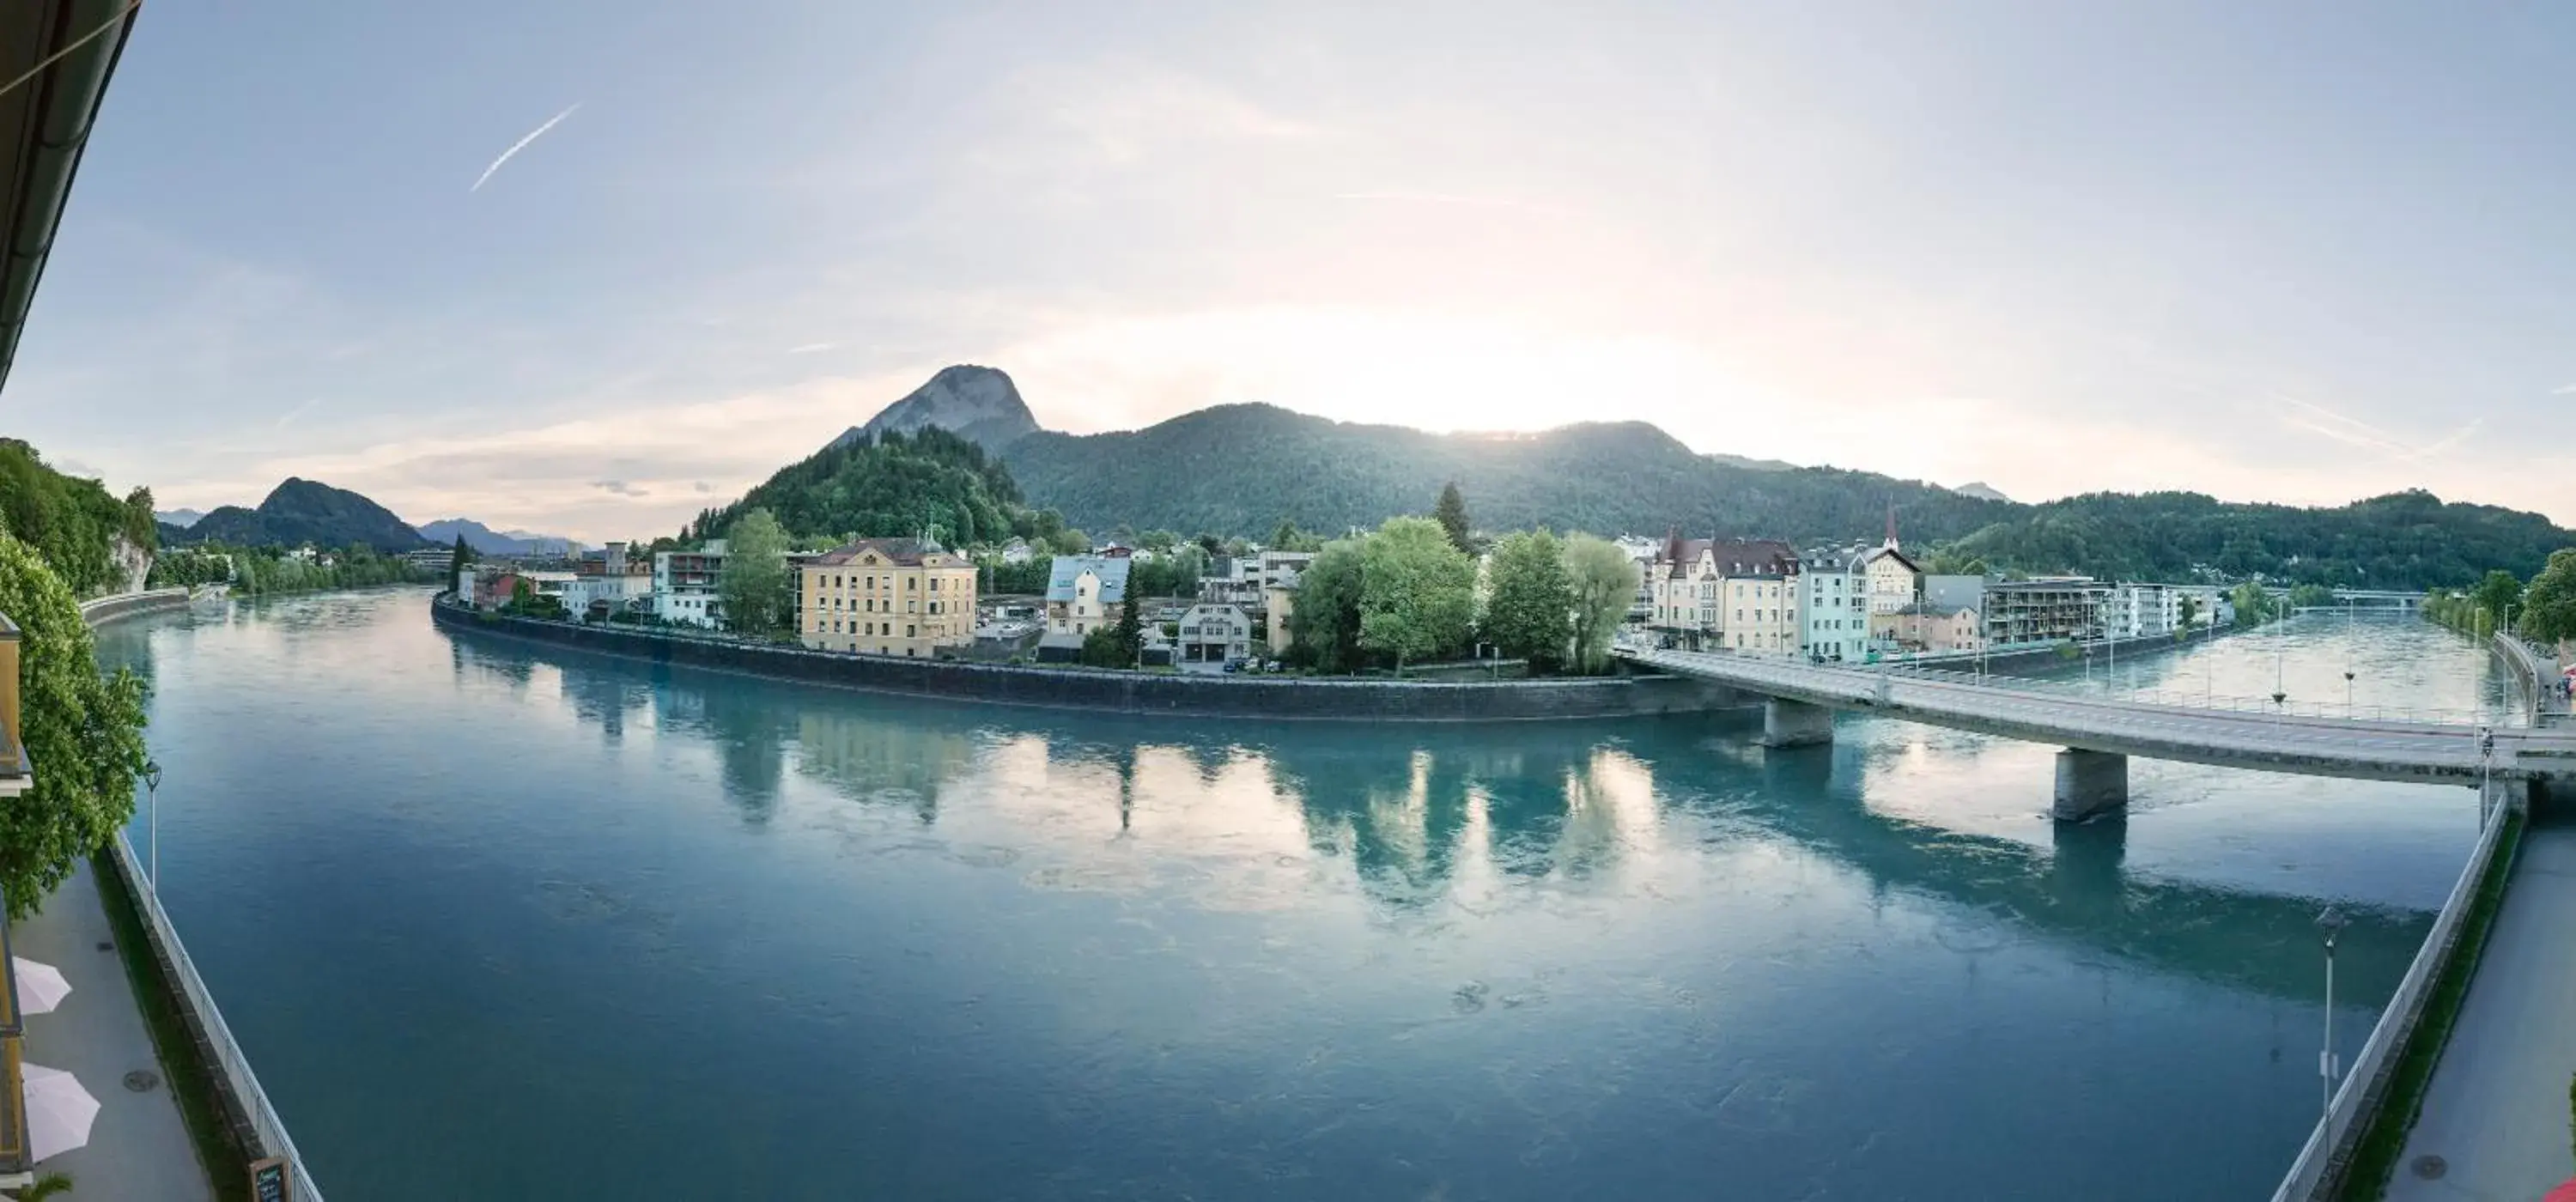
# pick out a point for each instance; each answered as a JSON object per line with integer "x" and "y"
{"x": 1529, "y": 612}
{"x": 2187, "y": 608}
{"x": 2552, "y": 599}
{"x": 1605, "y": 585}
{"x": 2253, "y": 604}
{"x": 1324, "y": 620}
{"x": 758, "y": 596}
{"x": 1417, "y": 591}
{"x": 2497, "y": 595}
{"x": 1451, "y": 513}
{"x": 2311, "y": 596}
{"x": 1130, "y": 631}
{"x": 83, "y": 732}
{"x": 457, "y": 559}
{"x": 1069, "y": 542}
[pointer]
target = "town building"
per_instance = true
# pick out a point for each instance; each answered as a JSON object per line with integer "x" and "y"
{"x": 1018, "y": 551}
{"x": 1278, "y": 605}
{"x": 887, "y": 596}
{"x": 1684, "y": 582}
{"x": 1757, "y": 596}
{"x": 1924, "y": 627}
{"x": 430, "y": 559}
{"x": 1955, "y": 592}
{"x": 684, "y": 585}
{"x": 2138, "y": 611}
{"x": 1085, "y": 593}
{"x": 2045, "y": 610}
{"x": 1215, "y": 634}
{"x": 1833, "y": 607}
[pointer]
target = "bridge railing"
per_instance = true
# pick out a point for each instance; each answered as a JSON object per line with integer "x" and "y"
{"x": 2206, "y": 700}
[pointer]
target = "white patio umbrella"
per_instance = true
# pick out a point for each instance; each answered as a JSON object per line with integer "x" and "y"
{"x": 41, "y": 987}
{"x": 59, "y": 1111}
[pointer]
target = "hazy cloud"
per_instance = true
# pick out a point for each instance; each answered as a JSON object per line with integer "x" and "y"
{"x": 617, "y": 488}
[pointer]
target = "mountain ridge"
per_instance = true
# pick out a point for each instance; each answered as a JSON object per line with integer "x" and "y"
{"x": 487, "y": 541}
{"x": 979, "y": 404}
{"x": 299, "y": 512}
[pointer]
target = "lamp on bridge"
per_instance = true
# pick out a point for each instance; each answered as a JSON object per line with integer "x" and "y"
{"x": 2331, "y": 922}
{"x": 152, "y": 790}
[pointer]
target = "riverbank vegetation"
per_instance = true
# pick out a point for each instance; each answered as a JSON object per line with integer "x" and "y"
{"x": 1407, "y": 593}
{"x": 2543, "y": 610}
{"x": 262, "y": 571}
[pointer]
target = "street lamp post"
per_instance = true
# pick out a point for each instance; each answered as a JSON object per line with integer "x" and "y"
{"x": 2332, "y": 923}
{"x": 152, "y": 791}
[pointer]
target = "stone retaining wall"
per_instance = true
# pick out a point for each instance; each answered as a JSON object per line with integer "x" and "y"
{"x": 1265, "y": 697}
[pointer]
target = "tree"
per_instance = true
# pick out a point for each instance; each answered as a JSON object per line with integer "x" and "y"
{"x": 1530, "y": 613}
{"x": 1417, "y": 590}
{"x": 82, "y": 731}
{"x": 1451, "y": 513}
{"x": 1605, "y": 585}
{"x": 1069, "y": 542}
{"x": 456, "y": 561}
{"x": 2253, "y": 605}
{"x": 2552, "y": 599}
{"x": 2187, "y": 608}
{"x": 2497, "y": 596}
{"x": 758, "y": 597}
{"x": 1324, "y": 621}
{"x": 1130, "y": 631}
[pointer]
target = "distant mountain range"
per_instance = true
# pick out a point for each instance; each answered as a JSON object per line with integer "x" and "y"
{"x": 1241, "y": 469}
{"x": 488, "y": 541}
{"x": 181, "y": 518}
{"x": 298, "y": 512}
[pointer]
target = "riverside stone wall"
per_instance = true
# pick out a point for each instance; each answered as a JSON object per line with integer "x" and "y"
{"x": 1266, "y": 697}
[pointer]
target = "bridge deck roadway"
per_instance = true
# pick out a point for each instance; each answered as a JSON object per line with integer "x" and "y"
{"x": 2361, "y": 748}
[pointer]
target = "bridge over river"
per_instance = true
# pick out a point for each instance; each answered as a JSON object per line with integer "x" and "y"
{"x": 2101, "y": 731}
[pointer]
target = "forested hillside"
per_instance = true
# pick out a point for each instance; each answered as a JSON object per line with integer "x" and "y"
{"x": 884, "y": 485}
{"x": 301, "y": 512}
{"x": 69, "y": 520}
{"x": 1242, "y": 469}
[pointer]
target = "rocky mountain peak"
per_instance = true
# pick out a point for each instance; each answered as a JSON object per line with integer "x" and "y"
{"x": 978, "y": 403}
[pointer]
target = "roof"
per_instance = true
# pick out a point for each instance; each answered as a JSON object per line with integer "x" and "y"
{"x": 1112, "y": 571}
{"x": 1733, "y": 556}
{"x": 1928, "y": 610}
{"x": 901, "y": 552}
{"x": 49, "y": 118}
{"x": 1874, "y": 554}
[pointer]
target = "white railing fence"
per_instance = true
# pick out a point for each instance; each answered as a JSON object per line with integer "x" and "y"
{"x": 229, "y": 1057}
{"x": 2328, "y": 1151}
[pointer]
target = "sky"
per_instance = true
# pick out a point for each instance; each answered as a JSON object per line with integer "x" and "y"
{"x": 2300, "y": 252}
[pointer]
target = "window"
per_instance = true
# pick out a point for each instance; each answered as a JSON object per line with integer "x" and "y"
{"x": 912, "y": 584}
{"x": 908, "y": 633}
{"x": 934, "y": 584}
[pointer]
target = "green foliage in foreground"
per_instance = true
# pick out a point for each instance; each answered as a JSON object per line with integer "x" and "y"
{"x": 1605, "y": 583}
{"x": 84, "y": 732}
{"x": 70, "y": 521}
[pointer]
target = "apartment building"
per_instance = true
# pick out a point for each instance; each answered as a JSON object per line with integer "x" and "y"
{"x": 887, "y": 596}
{"x": 2045, "y": 610}
{"x": 1926, "y": 627}
{"x": 684, "y": 585}
{"x": 1833, "y": 607}
{"x": 1085, "y": 593}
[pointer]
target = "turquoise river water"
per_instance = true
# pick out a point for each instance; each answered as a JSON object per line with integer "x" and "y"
{"x": 503, "y": 921}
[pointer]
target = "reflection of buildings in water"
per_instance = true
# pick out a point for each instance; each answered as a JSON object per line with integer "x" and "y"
{"x": 870, "y": 758}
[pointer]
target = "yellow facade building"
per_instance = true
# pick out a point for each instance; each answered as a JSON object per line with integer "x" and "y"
{"x": 887, "y": 596}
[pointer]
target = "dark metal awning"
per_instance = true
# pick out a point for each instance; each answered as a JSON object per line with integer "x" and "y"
{"x": 59, "y": 54}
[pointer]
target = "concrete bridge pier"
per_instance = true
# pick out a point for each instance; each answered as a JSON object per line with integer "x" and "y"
{"x": 2499, "y": 795}
{"x": 1787, "y": 723}
{"x": 2089, "y": 783}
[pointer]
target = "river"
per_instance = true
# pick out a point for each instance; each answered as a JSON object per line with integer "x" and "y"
{"x": 504, "y": 921}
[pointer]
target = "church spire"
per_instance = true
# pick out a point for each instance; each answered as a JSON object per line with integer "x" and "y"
{"x": 1891, "y": 525}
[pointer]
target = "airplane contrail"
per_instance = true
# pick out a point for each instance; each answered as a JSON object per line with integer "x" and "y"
{"x": 521, "y": 144}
